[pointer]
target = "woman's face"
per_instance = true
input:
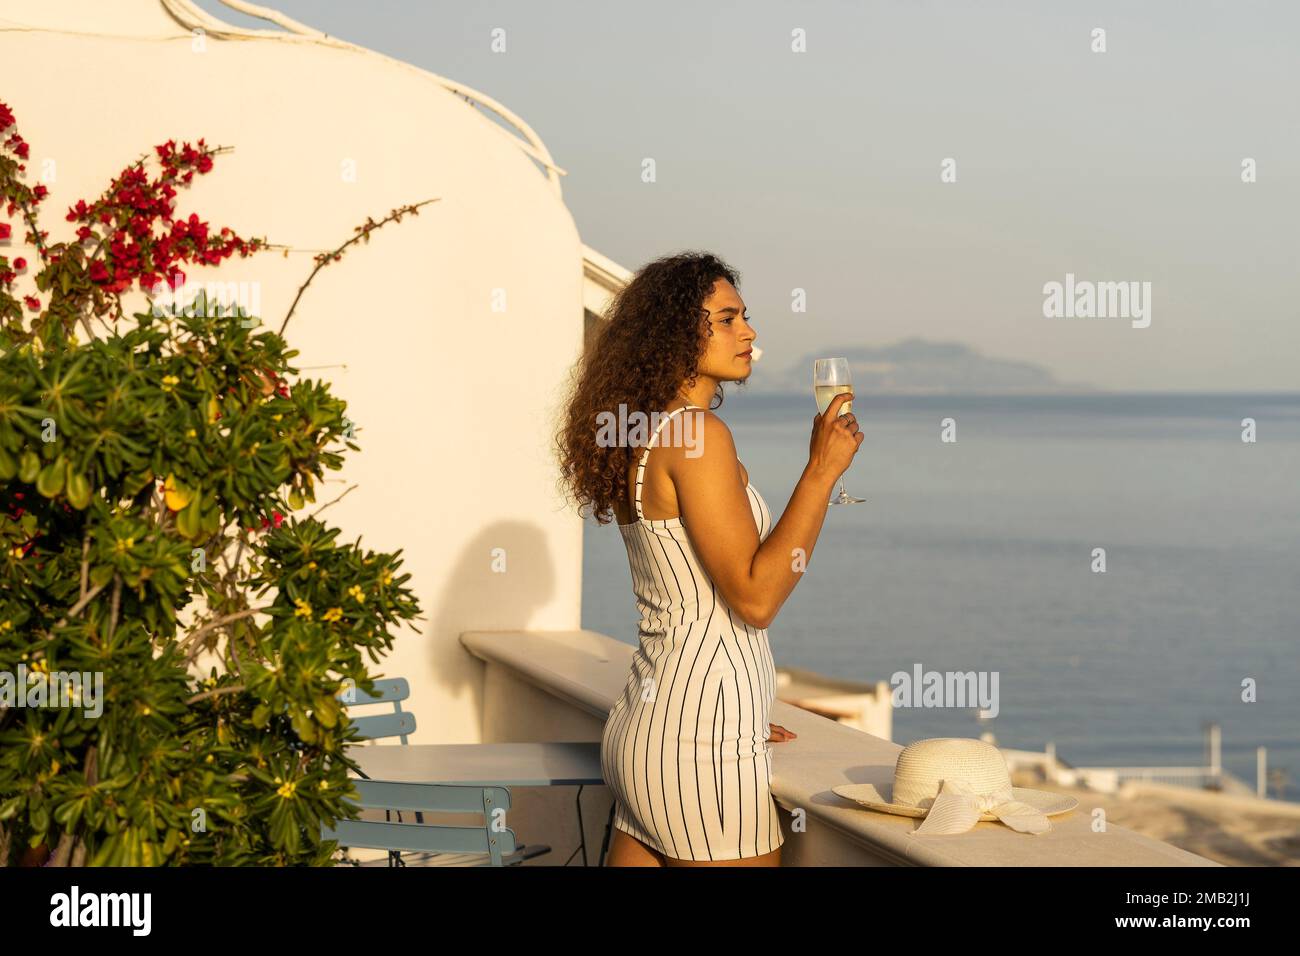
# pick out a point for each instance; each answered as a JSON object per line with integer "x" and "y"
{"x": 725, "y": 355}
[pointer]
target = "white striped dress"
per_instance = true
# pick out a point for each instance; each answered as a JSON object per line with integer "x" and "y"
{"x": 685, "y": 747}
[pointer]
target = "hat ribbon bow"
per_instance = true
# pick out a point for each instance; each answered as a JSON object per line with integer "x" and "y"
{"x": 957, "y": 808}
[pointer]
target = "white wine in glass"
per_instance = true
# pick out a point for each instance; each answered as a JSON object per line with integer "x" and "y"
{"x": 831, "y": 378}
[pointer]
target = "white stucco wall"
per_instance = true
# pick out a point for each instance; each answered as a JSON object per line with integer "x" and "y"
{"x": 452, "y": 400}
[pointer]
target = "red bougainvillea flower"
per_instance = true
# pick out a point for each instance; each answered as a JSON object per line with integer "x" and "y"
{"x": 273, "y": 383}
{"x": 5, "y": 230}
{"x": 32, "y": 302}
{"x": 20, "y": 263}
{"x": 136, "y": 237}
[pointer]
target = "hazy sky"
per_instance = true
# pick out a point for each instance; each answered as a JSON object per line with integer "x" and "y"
{"x": 821, "y": 170}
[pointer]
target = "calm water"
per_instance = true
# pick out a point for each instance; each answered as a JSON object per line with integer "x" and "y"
{"x": 976, "y": 555}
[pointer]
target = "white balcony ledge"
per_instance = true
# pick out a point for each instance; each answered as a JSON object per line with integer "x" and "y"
{"x": 581, "y": 672}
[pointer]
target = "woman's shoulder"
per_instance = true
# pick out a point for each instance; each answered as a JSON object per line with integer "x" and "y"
{"x": 706, "y": 437}
{"x": 715, "y": 427}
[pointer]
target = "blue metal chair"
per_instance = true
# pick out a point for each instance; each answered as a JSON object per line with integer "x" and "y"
{"x": 425, "y": 840}
{"x": 377, "y": 726}
{"x": 491, "y": 841}
{"x": 399, "y": 723}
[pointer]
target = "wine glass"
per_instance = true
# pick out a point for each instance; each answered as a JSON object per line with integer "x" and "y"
{"x": 830, "y": 378}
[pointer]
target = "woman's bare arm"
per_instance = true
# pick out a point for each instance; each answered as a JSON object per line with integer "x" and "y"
{"x": 755, "y": 579}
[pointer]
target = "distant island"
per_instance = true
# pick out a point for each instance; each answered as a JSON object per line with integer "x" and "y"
{"x": 916, "y": 366}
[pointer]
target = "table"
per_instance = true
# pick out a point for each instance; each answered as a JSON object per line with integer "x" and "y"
{"x": 548, "y": 764}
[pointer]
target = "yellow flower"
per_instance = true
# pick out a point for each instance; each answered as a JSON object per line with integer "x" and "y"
{"x": 169, "y": 382}
{"x": 178, "y": 497}
{"x": 286, "y": 789}
{"x": 333, "y": 614}
{"x": 358, "y": 594}
{"x": 276, "y": 417}
{"x": 124, "y": 545}
{"x": 304, "y": 609}
{"x": 191, "y": 433}
{"x": 6, "y": 625}
{"x": 311, "y": 565}
{"x": 41, "y": 667}
{"x": 386, "y": 577}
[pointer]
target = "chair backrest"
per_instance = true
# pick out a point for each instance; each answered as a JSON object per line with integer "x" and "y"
{"x": 399, "y": 723}
{"x": 384, "y": 725}
{"x": 491, "y": 837}
{"x": 390, "y": 689}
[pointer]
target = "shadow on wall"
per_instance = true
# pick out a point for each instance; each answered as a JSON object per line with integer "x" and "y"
{"x": 503, "y": 574}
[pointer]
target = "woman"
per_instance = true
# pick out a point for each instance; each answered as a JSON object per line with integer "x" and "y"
{"x": 685, "y": 745}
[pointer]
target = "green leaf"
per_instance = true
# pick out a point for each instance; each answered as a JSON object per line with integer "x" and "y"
{"x": 78, "y": 489}
{"x": 211, "y": 520}
{"x": 50, "y": 480}
{"x": 29, "y": 467}
{"x": 187, "y": 520}
{"x": 327, "y": 711}
{"x": 39, "y": 820}
{"x": 304, "y": 727}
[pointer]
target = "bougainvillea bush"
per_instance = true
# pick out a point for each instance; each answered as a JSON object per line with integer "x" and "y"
{"x": 155, "y": 471}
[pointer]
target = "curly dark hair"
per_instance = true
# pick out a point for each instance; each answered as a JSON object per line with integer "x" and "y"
{"x": 648, "y": 346}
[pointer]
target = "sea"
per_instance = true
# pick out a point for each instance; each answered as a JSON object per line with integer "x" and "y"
{"x": 980, "y": 554}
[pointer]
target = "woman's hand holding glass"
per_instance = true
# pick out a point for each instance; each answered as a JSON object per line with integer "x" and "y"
{"x": 835, "y": 439}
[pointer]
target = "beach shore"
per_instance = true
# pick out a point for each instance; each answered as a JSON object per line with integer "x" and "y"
{"x": 1232, "y": 830}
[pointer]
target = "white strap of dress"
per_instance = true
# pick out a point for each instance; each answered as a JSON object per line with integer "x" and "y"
{"x": 640, "y": 470}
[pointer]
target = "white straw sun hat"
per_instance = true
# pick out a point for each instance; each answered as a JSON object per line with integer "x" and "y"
{"x": 954, "y": 782}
